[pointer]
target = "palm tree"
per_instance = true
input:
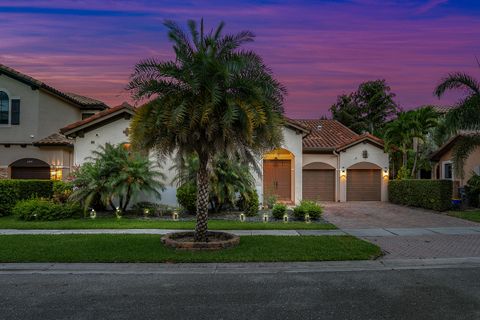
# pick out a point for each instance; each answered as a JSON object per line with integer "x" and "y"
{"x": 466, "y": 115}
{"x": 213, "y": 98}
{"x": 422, "y": 120}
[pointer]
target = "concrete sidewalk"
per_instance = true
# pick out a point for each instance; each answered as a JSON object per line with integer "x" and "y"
{"x": 371, "y": 232}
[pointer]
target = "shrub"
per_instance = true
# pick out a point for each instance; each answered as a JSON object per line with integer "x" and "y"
{"x": 472, "y": 190}
{"x": 62, "y": 191}
{"x": 187, "y": 197}
{"x": 428, "y": 194}
{"x": 279, "y": 210}
{"x": 12, "y": 191}
{"x": 155, "y": 209}
{"x": 271, "y": 201}
{"x": 43, "y": 209}
{"x": 307, "y": 207}
{"x": 249, "y": 205}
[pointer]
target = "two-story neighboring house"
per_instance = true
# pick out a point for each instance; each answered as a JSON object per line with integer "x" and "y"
{"x": 31, "y": 114}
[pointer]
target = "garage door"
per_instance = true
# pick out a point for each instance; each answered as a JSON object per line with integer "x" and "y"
{"x": 319, "y": 185}
{"x": 364, "y": 185}
{"x": 30, "y": 168}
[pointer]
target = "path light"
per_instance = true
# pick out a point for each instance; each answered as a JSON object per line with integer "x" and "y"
{"x": 265, "y": 217}
{"x": 118, "y": 213}
{"x": 146, "y": 212}
{"x": 242, "y": 217}
{"x": 175, "y": 215}
{"x": 93, "y": 214}
{"x": 307, "y": 218}
{"x": 285, "y": 218}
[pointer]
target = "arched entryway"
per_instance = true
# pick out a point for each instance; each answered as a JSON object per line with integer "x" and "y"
{"x": 278, "y": 177}
{"x": 318, "y": 182}
{"x": 30, "y": 168}
{"x": 364, "y": 182}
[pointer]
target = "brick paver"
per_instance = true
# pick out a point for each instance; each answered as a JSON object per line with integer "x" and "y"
{"x": 372, "y": 214}
{"x": 432, "y": 246}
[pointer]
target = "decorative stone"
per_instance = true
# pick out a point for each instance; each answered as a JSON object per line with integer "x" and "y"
{"x": 185, "y": 241}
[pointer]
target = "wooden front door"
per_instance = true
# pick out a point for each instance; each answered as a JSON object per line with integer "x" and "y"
{"x": 277, "y": 179}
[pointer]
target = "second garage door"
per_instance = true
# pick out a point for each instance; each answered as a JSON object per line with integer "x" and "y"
{"x": 319, "y": 185}
{"x": 363, "y": 185}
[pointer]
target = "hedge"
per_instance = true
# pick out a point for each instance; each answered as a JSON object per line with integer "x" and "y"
{"x": 428, "y": 194}
{"x": 12, "y": 191}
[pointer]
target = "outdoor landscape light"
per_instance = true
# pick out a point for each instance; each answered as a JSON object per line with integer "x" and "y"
{"x": 93, "y": 214}
{"x": 118, "y": 213}
{"x": 307, "y": 218}
{"x": 242, "y": 217}
{"x": 265, "y": 217}
{"x": 285, "y": 218}
{"x": 146, "y": 212}
{"x": 175, "y": 216}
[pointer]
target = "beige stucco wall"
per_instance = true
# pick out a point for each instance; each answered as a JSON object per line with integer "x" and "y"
{"x": 353, "y": 155}
{"x": 57, "y": 157}
{"x": 472, "y": 162}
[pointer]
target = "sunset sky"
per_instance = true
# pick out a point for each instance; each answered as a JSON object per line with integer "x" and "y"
{"x": 317, "y": 49}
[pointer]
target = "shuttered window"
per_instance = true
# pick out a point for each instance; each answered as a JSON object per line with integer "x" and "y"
{"x": 15, "y": 111}
{"x": 4, "y": 108}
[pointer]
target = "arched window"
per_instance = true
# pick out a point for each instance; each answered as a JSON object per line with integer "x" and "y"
{"x": 4, "y": 108}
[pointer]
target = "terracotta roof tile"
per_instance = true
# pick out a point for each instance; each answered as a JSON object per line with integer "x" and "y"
{"x": 55, "y": 139}
{"x": 365, "y": 136}
{"x": 325, "y": 134}
{"x": 97, "y": 116}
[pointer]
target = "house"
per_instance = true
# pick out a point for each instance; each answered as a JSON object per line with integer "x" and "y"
{"x": 443, "y": 165}
{"x": 31, "y": 114}
{"x": 46, "y": 132}
{"x": 319, "y": 160}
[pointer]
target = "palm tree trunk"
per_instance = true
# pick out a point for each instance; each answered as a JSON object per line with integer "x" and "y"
{"x": 127, "y": 198}
{"x": 201, "y": 227}
{"x": 404, "y": 156}
{"x": 415, "y": 147}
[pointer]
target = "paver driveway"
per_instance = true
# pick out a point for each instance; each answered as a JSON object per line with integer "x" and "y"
{"x": 380, "y": 217}
{"x": 373, "y": 214}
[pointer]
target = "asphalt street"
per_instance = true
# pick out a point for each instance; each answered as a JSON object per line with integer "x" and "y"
{"x": 313, "y": 291}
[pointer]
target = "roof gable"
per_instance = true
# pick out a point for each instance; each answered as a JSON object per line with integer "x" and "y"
{"x": 77, "y": 100}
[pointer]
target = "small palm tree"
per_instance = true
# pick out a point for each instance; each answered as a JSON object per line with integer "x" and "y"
{"x": 213, "y": 98}
{"x": 466, "y": 115}
{"x": 422, "y": 121}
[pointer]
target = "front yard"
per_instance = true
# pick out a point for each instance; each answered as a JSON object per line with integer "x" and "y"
{"x": 148, "y": 248}
{"x": 472, "y": 215}
{"x": 11, "y": 222}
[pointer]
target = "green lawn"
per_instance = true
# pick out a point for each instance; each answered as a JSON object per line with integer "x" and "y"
{"x": 137, "y": 223}
{"x": 467, "y": 215}
{"x": 148, "y": 248}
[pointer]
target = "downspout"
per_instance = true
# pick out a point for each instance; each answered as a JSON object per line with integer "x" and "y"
{"x": 337, "y": 178}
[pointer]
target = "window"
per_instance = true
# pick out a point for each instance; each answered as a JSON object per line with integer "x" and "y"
{"x": 4, "y": 108}
{"x": 447, "y": 171}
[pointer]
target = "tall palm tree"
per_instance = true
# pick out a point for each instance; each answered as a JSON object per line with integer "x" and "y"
{"x": 213, "y": 98}
{"x": 466, "y": 115}
{"x": 422, "y": 120}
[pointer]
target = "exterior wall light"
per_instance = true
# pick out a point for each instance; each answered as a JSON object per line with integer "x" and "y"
{"x": 285, "y": 218}
{"x": 118, "y": 213}
{"x": 307, "y": 218}
{"x": 93, "y": 214}
{"x": 175, "y": 215}
{"x": 265, "y": 217}
{"x": 343, "y": 172}
{"x": 385, "y": 172}
{"x": 242, "y": 217}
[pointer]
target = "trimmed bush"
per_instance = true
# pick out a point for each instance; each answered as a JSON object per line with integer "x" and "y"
{"x": 249, "y": 206}
{"x": 472, "y": 190}
{"x": 12, "y": 191}
{"x": 307, "y": 207}
{"x": 43, "y": 209}
{"x": 62, "y": 191}
{"x": 279, "y": 210}
{"x": 187, "y": 197}
{"x": 428, "y": 194}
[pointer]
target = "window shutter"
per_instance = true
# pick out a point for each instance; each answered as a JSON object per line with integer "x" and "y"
{"x": 15, "y": 111}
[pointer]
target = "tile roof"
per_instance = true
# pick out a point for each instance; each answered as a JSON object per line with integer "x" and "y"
{"x": 326, "y": 134}
{"x": 436, "y": 155}
{"x": 99, "y": 115}
{"x": 55, "y": 139}
{"x": 443, "y": 109}
{"x": 81, "y": 101}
